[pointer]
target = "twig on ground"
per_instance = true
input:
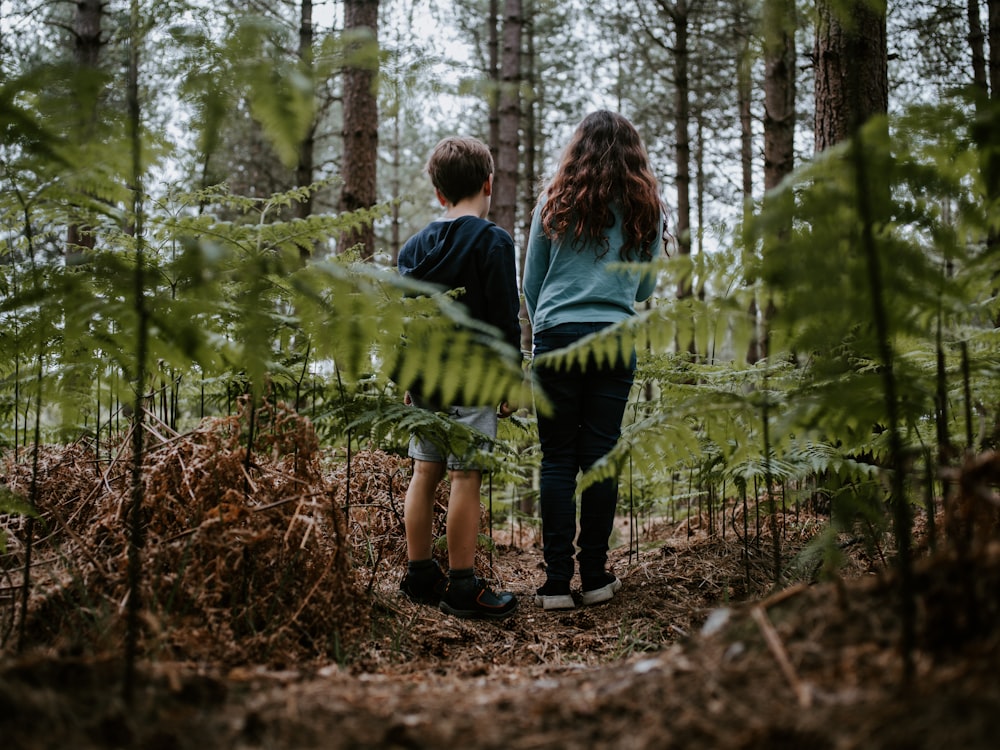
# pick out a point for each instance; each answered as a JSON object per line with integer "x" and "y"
{"x": 781, "y": 656}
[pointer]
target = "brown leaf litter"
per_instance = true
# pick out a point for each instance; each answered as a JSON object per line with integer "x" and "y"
{"x": 273, "y": 620}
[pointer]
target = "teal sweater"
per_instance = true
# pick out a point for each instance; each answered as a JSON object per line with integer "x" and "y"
{"x": 565, "y": 283}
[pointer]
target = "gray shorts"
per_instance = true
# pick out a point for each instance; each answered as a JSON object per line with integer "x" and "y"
{"x": 480, "y": 418}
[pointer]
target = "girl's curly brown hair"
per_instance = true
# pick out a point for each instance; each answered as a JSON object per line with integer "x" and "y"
{"x": 605, "y": 165}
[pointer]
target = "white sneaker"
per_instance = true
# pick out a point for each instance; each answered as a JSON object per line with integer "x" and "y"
{"x": 554, "y": 596}
{"x": 555, "y": 601}
{"x": 603, "y": 594}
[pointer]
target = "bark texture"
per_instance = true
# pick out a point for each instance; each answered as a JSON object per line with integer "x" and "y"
{"x": 360, "y": 130}
{"x": 852, "y": 79}
{"x": 504, "y": 210}
{"x": 779, "y": 22}
{"x": 305, "y": 169}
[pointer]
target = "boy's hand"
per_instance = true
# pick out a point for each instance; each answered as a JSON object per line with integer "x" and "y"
{"x": 407, "y": 398}
{"x": 504, "y": 410}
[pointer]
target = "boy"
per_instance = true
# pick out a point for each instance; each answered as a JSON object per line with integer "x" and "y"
{"x": 460, "y": 250}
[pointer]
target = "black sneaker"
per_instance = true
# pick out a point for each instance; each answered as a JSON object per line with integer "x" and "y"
{"x": 471, "y": 598}
{"x": 425, "y": 587}
{"x": 554, "y": 595}
{"x": 600, "y": 589}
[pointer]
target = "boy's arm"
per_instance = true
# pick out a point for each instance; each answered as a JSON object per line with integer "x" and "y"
{"x": 501, "y": 291}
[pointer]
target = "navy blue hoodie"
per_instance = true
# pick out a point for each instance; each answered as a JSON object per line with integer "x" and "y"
{"x": 471, "y": 253}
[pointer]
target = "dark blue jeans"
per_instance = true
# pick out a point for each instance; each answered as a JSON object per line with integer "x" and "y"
{"x": 588, "y": 405}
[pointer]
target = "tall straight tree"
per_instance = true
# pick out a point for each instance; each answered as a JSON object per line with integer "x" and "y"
{"x": 504, "y": 210}
{"x": 779, "y": 24}
{"x": 986, "y": 86}
{"x": 86, "y": 32}
{"x": 87, "y": 43}
{"x": 852, "y": 86}
{"x": 742, "y": 32}
{"x": 493, "y": 61}
{"x": 679, "y": 12}
{"x": 87, "y": 29}
{"x": 360, "y": 158}
{"x": 852, "y": 79}
{"x": 529, "y": 110}
{"x": 306, "y": 167}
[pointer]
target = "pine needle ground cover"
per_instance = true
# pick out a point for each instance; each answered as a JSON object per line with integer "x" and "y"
{"x": 272, "y": 618}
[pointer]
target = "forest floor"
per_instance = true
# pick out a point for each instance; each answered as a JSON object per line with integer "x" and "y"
{"x": 698, "y": 650}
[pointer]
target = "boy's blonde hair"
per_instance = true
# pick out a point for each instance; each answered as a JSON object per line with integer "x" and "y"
{"x": 459, "y": 167}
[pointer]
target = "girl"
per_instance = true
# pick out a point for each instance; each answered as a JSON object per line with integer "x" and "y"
{"x": 600, "y": 213}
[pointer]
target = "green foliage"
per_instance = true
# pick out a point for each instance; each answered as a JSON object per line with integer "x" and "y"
{"x": 228, "y": 295}
{"x": 240, "y": 300}
{"x": 247, "y": 65}
{"x": 821, "y": 394}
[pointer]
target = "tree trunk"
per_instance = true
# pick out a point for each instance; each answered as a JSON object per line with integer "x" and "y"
{"x": 851, "y": 87}
{"x": 779, "y": 22}
{"x": 305, "y": 169}
{"x": 80, "y": 240}
{"x": 994, "y": 21}
{"x": 493, "y": 60}
{"x": 744, "y": 91}
{"x": 87, "y": 23}
{"x": 779, "y": 91}
{"x": 678, "y": 13}
{"x": 744, "y": 88}
{"x": 976, "y": 37}
{"x": 504, "y": 210}
{"x": 395, "y": 180}
{"x": 989, "y": 114}
{"x": 530, "y": 156}
{"x": 987, "y": 128}
{"x": 360, "y": 130}
{"x": 852, "y": 80}
{"x": 87, "y": 32}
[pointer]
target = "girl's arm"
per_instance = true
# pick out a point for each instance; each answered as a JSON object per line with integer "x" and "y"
{"x": 536, "y": 263}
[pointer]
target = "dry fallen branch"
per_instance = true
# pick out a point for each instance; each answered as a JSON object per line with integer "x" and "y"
{"x": 774, "y": 643}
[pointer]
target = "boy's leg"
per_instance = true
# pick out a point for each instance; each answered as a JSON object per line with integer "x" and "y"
{"x": 467, "y": 594}
{"x": 424, "y": 581}
{"x": 463, "y": 518}
{"x": 418, "y": 508}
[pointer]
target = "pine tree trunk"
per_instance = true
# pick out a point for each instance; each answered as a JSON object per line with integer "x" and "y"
{"x": 530, "y": 156}
{"x": 360, "y": 130}
{"x": 305, "y": 169}
{"x": 852, "y": 79}
{"x": 779, "y": 91}
{"x": 744, "y": 88}
{"x": 504, "y": 210}
{"x": 851, "y": 87}
{"x": 678, "y": 12}
{"x": 744, "y": 91}
{"x": 80, "y": 239}
{"x": 779, "y": 21}
{"x": 994, "y": 21}
{"x": 976, "y": 37}
{"x": 87, "y": 44}
{"x": 986, "y": 74}
{"x": 493, "y": 60}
